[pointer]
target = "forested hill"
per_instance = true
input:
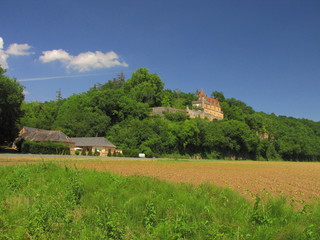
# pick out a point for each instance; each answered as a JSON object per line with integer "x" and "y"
{"x": 120, "y": 110}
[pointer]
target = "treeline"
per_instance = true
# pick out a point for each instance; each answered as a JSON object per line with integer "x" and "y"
{"x": 120, "y": 109}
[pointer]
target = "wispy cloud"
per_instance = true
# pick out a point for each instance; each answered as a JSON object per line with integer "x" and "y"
{"x": 84, "y": 61}
{"x": 56, "y": 77}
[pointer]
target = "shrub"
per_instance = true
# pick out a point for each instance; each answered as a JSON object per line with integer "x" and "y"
{"x": 176, "y": 117}
{"x": 109, "y": 153}
{"x": 19, "y": 143}
{"x": 90, "y": 152}
{"x": 83, "y": 152}
{"x": 44, "y": 148}
{"x": 96, "y": 153}
{"x": 131, "y": 152}
{"x": 77, "y": 152}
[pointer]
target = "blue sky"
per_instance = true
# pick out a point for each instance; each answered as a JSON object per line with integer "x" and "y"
{"x": 265, "y": 53}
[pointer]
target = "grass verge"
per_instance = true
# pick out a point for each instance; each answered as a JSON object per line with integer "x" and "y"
{"x": 47, "y": 201}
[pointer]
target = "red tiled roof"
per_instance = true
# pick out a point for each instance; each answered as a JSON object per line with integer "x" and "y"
{"x": 210, "y": 99}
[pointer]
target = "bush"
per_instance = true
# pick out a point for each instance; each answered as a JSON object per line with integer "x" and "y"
{"x": 83, "y": 152}
{"x": 131, "y": 152}
{"x": 90, "y": 152}
{"x": 19, "y": 143}
{"x": 77, "y": 152}
{"x": 44, "y": 148}
{"x": 176, "y": 117}
{"x": 96, "y": 153}
{"x": 109, "y": 153}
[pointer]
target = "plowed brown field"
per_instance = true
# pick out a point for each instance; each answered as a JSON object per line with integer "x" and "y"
{"x": 299, "y": 181}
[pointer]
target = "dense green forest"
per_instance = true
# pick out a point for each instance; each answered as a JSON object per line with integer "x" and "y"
{"x": 120, "y": 110}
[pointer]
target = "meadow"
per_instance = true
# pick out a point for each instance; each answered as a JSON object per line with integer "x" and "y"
{"x": 173, "y": 200}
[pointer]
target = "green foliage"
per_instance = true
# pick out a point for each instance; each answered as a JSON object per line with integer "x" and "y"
{"x": 177, "y": 99}
{"x": 40, "y": 115}
{"x": 19, "y": 143}
{"x": 145, "y": 87}
{"x": 77, "y": 118}
{"x": 219, "y": 96}
{"x": 45, "y": 201}
{"x": 83, "y": 152}
{"x": 44, "y": 148}
{"x": 90, "y": 152}
{"x": 149, "y": 220}
{"x": 115, "y": 83}
{"x": 96, "y": 153}
{"x": 176, "y": 117}
{"x": 109, "y": 153}
{"x": 11, "y": 98}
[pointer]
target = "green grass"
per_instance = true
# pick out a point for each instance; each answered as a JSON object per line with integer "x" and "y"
{"x": 46, "y": 201}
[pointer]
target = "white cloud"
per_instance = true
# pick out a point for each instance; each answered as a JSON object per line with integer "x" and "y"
{"x": 25, "y": 92}
{"x": 19, "y": 49}
{"x": 1, "y": 43}
{"x": 14, "y": 49}
{"x": 3, "y": 55}
{"x": 84, "y": 61}
{"x": 54, "y": 55}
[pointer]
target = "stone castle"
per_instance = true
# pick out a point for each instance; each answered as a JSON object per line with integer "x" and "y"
{"x": 204, "y": 107}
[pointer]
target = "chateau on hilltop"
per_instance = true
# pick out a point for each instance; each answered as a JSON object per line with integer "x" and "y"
{"x": 204, "y": 107}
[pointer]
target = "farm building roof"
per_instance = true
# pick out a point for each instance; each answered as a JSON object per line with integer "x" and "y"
{"x": 91, "y": 142}
{"x": 30, "y": 129}
{"x": 45, "y": 135}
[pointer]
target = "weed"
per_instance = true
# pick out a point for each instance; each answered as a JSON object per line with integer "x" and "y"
{"x": 149, "y": 220}
{"x": 259, "y": 216}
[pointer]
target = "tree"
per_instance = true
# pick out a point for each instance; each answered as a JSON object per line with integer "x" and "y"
{"x": 145, "y": 87}
{"x": 218, "y": 95}
{"x": 235, "y": 109}
{"x": 77, "y": 118}
{"x": 40, "y": 115}
{"x": 59, "y": 95}
{"x": 11, "y": 98}
{"x": 115, "y": 83}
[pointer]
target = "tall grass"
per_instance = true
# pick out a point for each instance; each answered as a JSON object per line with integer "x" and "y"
{"x": 46, "y": 201}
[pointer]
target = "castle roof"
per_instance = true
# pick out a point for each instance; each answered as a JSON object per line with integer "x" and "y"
{"x": 212, "y": 101}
